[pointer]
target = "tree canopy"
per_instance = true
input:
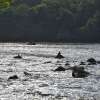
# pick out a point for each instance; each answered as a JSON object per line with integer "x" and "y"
{"x": 50, "y": 20}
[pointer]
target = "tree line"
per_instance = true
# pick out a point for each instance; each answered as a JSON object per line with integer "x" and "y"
{"x": 50, "y": 20}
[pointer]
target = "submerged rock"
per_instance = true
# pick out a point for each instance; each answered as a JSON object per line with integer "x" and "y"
{"x": 98, "y": 62}
{"x": 79, "y": 72}
{"x": 31, "y": 43}
{"x": 14, "y": 77}
{"x": 76, "y": 68}
{"x": 43, "y": 85}
{"x": 18, "y": 57}
{"x": 60, "y": 69}
{"x": 91, "y": 61}
{"x": 41, "y": 94}
{"x": 59, "y": 55}
{"x": 82, "y": 63}
{"x": 47, "y": 62}
{"x": 27, "y": 74}
{"x": 67, "y": 64}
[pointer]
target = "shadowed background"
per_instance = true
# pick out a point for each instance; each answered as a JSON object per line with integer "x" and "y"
{"x": 50, "y": 20}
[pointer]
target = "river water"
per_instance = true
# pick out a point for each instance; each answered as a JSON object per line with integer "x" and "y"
{"x": 43, "y": 83}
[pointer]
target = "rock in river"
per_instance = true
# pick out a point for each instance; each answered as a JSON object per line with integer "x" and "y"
{"x": 79, "y": 72}
{"x": 59, "y": 55}
{"x": 14, "y": 77}
{"x": 18, "y": 57}
{"x": 60, "y": 69}
{"x": 91, "y": 61}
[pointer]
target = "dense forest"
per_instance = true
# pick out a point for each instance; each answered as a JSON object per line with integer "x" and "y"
{"x": 50, "y": 20}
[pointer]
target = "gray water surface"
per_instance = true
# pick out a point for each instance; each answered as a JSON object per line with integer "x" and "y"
{"x": 43, "y": 83}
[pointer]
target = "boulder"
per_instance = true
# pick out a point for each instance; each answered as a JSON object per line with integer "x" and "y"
{"x": 67, "y": 64}
{"x": 31, "y": 43}
{"x": 27, "y": 74}
{"x": 82, "y": 63}
{"x": 91, "y": 61}
{"x": 47, "y": 62}
{"x": 59, "y": 55}
{"x": 60, "y": 69}
{"x": 98, "y": 62}
{"x": 79, "y": 72}
{"x": 14, "y": 77}
{"x": 76, "y": 68}
{"x": 18, "y": 57}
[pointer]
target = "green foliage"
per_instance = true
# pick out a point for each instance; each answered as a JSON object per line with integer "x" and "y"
{"x": 22, "y": 9}
{"x": 38, "y": 7}
{"x": 55, "y": 17}
{"x": 5, "y": 4}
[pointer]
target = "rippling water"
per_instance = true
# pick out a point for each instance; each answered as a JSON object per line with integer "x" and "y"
{"x": 42, "y": 83}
